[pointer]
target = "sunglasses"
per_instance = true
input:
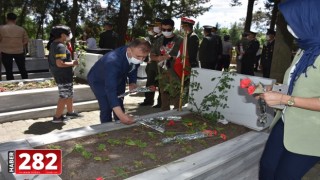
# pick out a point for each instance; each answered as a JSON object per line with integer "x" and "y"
{"x": 168, "y": 30}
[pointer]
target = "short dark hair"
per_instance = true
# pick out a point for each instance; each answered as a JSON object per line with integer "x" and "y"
{"x": 141, "y": 43}
{"x": 11, "y": 16}
{"x": 226, "y": 37}
{"x": 168, "y": 22}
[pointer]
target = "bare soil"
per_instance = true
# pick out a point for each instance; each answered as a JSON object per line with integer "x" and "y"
{"x": 123, "y": 153}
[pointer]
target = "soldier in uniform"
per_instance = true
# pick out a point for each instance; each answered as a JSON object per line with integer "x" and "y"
{"x": 267, "y": 52}
{"x": 249, "y": 56}
{"x": 152, "y": 68}
{"x": 210, "y": 49}
{"x": 192, "y": 42}
{"x": 109, "y": 38}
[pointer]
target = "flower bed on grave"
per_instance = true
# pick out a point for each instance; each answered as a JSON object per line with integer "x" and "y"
{"x": 123, "y": 153}
{"x": 8, "y": 86}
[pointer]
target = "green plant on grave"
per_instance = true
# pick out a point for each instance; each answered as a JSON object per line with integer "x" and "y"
{"x": 217, "y": 98}
{"x": 138, "y": 143}
{"x": 102, "y": 147}
{"x": 114, "y": 142}
{"x": 120, "y": 172}
{"x": 150, "y": 155}
{"x": 80, "y": 149}
{"x": 138, "y": 164}
{"x": 173, "y": 86}
{"x": 51, "y": 146}
{"x": 80, "y": 51}
{"x": 187, "y": 149}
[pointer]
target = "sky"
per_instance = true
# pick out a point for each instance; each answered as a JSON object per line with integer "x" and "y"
{"x": 221, "y": 12}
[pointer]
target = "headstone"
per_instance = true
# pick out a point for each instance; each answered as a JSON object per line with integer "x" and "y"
{"x": 243, "y": 108}
{"x": 35, "y": 48}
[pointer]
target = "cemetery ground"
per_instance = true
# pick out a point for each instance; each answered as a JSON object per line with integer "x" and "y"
{"x": 125, "y": 152}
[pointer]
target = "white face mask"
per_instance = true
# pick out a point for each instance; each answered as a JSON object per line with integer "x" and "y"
{"x": 182, "y": 30}
{"x": 150, "y": 33}
{"x": 156, "y": 29}
{"x": 69, "y": 37}
{"x": 291, "y": 32}
{"x": 167, "y": 34}
{"x": 133, "y": 60}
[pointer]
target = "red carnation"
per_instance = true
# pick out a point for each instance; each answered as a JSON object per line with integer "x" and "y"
{"x": 171, "y": 123}
{"x": 251, "y": 89}
{"x": 244, "y": 83}
{"x": 223, "y": 136}
{"x": 208, "y": 133}
{"x": 99, "y": 178}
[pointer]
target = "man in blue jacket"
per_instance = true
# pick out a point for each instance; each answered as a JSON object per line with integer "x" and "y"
{"x": 108, "y": 76}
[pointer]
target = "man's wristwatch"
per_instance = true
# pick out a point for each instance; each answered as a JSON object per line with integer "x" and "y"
{"x": 291, "y": 101}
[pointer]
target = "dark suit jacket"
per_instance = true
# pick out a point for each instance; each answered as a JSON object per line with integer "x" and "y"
{"x": 111, "y": 73}
{"x": 210, "y": 49}
{"x": 192, "y": 48}
{"x": 108, "y": 40}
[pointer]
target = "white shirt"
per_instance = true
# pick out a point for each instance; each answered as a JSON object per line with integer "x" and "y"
{"x": 91, "y": 43}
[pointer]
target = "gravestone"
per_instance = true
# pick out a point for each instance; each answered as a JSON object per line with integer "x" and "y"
{"x": 243, "y": 108}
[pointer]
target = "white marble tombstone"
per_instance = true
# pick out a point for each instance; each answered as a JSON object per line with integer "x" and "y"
{"x": 91, "y": 58}
{"x": 243, "y": 108}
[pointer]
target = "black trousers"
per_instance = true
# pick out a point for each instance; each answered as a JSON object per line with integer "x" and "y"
{"x": 152, "y": 73}
{"x": 20, "y": 59}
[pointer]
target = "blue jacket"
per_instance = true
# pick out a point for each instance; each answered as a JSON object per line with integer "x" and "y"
{"x": 110, "y": 74}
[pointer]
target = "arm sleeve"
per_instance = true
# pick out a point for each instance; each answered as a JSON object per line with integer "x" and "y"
{"x": 101, "y": 40}
{"x": 60, "y": 52}
{"x": 202, "y": 49}
{"x": 193, "y": 49}
{"x": 111, "y": 75}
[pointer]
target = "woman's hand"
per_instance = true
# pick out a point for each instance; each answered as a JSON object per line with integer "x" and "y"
{"x": 273, "y": 98}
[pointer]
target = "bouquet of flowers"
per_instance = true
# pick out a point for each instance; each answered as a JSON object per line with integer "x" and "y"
{"x": 255, "y": 89}
{"x": 165, "y": 50}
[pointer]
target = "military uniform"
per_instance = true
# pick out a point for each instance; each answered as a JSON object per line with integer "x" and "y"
{"x": 266, "y": 56}
{"x": 210, "y": 50}
{"x": 152, "y": 73}
{"x": 249, "y": 57}
{"x": 192, "y": 42}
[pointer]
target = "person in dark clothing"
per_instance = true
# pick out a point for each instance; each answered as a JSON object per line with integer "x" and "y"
{"x": 267, "y": 52}
{"x": 108, "y": 39}
{"x": 108, "y": 76}
{"x": 210, "y": 49}
{"x": 152, "y": 69}
{"x": 249, "y": 56}
{"x": 192, "y": 42}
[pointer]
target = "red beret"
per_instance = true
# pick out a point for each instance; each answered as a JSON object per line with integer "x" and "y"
{"x": 187, "y": 20}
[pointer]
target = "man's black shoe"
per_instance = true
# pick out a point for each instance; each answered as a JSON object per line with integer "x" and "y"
{"x": 156, "y": 106}
{"x": 145, "y": 104}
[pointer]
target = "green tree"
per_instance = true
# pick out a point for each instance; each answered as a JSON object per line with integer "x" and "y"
{"x": 235, "y": 33}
